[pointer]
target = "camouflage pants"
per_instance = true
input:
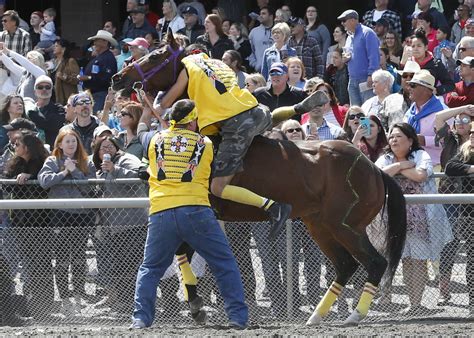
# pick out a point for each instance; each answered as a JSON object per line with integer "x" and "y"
{"x": 237, "y": 134}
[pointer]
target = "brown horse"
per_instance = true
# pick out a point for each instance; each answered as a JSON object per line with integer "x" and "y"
{"x": 331, "y": 185}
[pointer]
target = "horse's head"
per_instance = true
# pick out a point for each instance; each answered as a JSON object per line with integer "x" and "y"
{"x": 155, "y": 71}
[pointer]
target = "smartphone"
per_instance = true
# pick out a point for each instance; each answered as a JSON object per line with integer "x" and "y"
{"x": 365, "y": 124}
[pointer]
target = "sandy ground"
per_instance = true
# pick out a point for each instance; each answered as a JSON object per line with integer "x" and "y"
{"x": 452, "y": 327}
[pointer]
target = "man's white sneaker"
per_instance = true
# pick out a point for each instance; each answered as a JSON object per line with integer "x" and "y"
{"x": 137, "y": 324}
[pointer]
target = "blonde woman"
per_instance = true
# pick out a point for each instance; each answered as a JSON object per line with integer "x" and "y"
{"x": 280, "y": 51}
{"x": 170, "y": 20}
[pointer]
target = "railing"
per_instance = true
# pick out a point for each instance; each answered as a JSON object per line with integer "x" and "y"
{"x": 82, "y": 269}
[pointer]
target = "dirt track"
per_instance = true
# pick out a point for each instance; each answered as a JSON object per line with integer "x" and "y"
{"x": 463, "y": 328}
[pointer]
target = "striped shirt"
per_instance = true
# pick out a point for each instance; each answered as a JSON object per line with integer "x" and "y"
{"x": 19, "y": 41}
{"x": 327, "y": 131}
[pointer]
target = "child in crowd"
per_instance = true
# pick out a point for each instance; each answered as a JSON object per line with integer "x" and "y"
{"x": 48, "y": 29}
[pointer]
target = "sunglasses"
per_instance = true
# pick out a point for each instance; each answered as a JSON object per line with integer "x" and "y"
{"x": 464, "y": 120}
{"x": 276, "y": 73}
{"x": 40, "y": 87}
{"x": 354, "y": 116}
{"x": 123, "y": 113}
{"x": 83, "y": 102}
{"x": 294, "y": 130}
{"x": 413, "y": 85}
{"x": 408, "y": 76}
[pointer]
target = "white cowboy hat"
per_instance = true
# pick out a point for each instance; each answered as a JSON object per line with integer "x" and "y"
{"x": 410, "y": 67}
{"x": 424, "y": 78}
{"x": 104, "y": 35}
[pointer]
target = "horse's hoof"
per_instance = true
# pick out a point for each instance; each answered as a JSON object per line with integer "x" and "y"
{"x": 315, "y": 319}
{"x": 354, "y": 319}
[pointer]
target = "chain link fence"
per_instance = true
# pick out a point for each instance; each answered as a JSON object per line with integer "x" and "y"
{"x": 78, "y": 266}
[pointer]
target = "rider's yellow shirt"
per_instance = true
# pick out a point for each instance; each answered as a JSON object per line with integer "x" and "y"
{"x": 180, "y": 167}
{"x": 213, "y": 87}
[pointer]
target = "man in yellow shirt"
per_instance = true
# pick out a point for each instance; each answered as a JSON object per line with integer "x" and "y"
{"x": 234, "y": 113}
{"x": 180, "y": 168}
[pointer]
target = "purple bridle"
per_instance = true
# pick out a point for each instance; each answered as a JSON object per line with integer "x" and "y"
{"x": 173, "y": 57}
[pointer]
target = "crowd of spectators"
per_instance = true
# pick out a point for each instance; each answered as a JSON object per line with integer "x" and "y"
{"x": 389, "y": 94}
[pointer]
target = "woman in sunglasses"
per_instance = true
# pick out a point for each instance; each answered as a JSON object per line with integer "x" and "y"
{"x": 352, "y": 121}
{"x": 451, "y": 138}
{"x": 463, "y": 165}
{"x": 127, "y": 139}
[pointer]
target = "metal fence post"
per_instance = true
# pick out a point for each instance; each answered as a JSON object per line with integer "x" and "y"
{"x": 289, "y": 269}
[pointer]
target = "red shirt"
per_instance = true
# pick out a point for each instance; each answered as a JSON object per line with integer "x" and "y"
{"x": 432, "y": 42}
{"x": 465, "y": 95}
{"x": 152, "y": 18}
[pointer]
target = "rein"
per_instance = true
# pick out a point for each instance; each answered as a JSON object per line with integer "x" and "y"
{"x": 150, "y": 73}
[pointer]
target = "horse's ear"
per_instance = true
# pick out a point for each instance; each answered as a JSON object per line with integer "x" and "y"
{"x": 170, "y": 38}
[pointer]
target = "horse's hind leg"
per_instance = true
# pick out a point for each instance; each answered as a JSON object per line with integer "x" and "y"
{"x": 359, "y": 246}
{"x": 344, "y": 264}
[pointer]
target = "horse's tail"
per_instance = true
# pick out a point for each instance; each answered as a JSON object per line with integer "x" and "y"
{"x": 397, "y": 223}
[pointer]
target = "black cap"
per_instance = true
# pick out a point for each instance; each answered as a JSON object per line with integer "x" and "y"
{"x": 20, "y": 123}
{"x": 294, "y": 20}
{"x": 189, "y": 10}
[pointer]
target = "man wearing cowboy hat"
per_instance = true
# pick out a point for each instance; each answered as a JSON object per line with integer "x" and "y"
{"x": 421, "y": 114}
{"x": 395, "y": 105}
{"x": 100, "y": 69}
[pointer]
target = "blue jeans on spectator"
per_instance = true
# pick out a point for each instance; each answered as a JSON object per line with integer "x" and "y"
{"x": 197, "y": 226}
{"x": 99, "y": 100}
{"x": 356, "y": 97}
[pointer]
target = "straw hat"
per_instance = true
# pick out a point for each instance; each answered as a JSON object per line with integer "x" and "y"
{"x": 424, "y": 78}
{"x": 104, "y": 35}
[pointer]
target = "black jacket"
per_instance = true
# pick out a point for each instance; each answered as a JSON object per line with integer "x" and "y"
{"x": 86, "y": 133}
{"x": 194, "y": 33}
{"x": 50, "y": 118}
{"x": 216, "y": 51}
{"x": 444, "y": 83}
{"x": 289, "y": 97}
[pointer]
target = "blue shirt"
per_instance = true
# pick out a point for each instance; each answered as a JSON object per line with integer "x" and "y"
{"x": 364, "y": 48}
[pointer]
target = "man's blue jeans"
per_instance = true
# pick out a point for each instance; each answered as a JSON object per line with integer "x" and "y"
{"x": 356, "y": 97}
{"x": 197, "y": 226}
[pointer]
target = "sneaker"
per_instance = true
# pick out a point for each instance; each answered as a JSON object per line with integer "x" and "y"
{"x": 137, "y": 324}
{"x": 279, "y": 213}
{"x": 317, "y": 99}
{"x": 237, "y": 326}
